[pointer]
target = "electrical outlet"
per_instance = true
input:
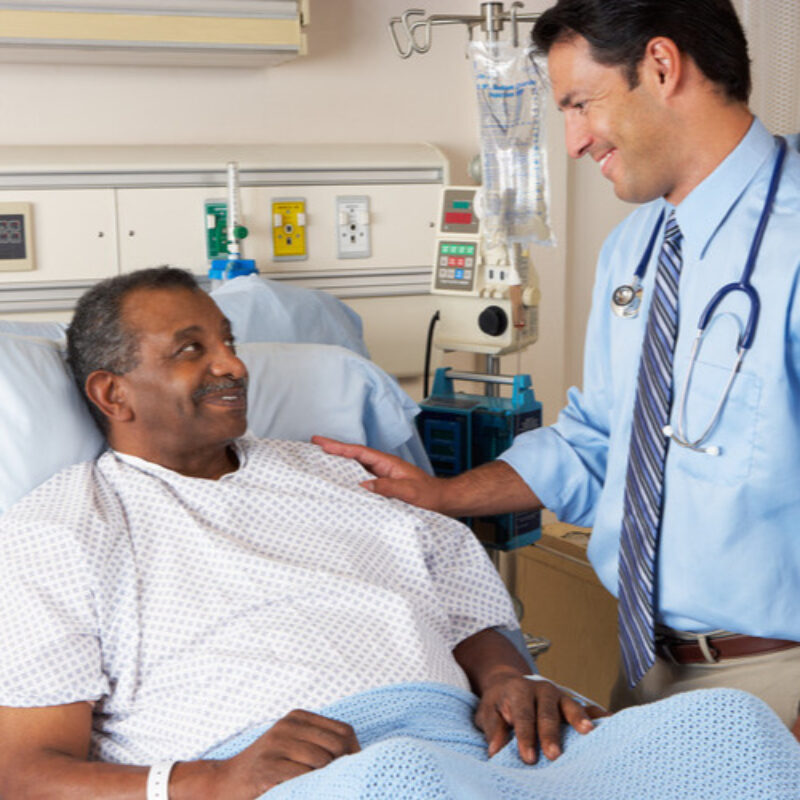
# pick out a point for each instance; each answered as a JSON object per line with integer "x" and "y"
{"x": 353, "y": 226}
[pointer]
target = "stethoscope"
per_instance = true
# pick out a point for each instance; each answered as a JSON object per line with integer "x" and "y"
{"x": 627, "y": 298}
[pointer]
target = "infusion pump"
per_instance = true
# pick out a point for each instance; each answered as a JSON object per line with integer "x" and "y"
{"x": 489, "y": 296}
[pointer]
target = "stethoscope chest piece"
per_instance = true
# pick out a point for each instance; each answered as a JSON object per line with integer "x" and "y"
{"x": 626, "y": 299}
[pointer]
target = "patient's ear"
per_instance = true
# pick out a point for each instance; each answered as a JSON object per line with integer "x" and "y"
{"x": 107, "y": 391}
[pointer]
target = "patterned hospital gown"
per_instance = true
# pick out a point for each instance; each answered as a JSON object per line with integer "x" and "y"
{"x": 193, "y": 609}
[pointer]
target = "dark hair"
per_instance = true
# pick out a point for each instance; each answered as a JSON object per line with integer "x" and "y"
{"x": 618, "y": 31}
{"x": 97, "y": 337}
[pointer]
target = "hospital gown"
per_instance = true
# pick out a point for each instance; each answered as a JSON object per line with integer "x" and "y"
{"x": 193, "y": 609}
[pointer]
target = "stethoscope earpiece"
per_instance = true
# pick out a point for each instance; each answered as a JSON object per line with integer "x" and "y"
{"x": 711, "y": 450}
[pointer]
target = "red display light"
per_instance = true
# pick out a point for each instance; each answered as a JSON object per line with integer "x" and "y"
{"x": 458, "y": 218}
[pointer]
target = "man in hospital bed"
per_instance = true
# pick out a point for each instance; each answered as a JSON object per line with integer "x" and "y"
{"x": 191, "y": 584}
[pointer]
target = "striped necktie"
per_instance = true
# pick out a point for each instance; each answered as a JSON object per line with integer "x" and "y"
{"x": 645, "y": 475}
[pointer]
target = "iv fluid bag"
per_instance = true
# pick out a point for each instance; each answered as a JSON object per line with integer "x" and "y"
{"x": 511, "y": 91}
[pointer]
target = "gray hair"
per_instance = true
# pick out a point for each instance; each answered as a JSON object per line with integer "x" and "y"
{"x": 97, "y": 339}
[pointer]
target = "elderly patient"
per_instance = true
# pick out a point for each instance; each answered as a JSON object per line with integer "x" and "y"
{"x": 193, "y": 583}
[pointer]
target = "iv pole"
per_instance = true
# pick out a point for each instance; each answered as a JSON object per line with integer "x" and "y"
{"x": 492, "y": 20}
{"x": 411, "y": 33}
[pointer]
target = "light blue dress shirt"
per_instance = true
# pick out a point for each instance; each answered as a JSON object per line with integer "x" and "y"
{"x": 729, "y": 552}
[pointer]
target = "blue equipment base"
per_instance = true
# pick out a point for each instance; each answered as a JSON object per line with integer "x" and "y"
{"x": 461, "y": 431}
{"x": 226, "y": 268}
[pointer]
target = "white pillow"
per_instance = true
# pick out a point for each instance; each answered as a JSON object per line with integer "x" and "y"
{"x": 296, "y": 390}
{"x": 44, "y": 424}
{"x": 55, "y": 331}
{"x": 262, "y": 310}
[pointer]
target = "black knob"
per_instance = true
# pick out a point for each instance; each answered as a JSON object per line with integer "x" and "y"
{"x": 493, "y": 321}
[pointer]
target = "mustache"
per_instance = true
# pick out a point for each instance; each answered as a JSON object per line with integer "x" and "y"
{"x": 220, "y": 386}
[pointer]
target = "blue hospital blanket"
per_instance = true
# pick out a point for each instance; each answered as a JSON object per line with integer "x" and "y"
{"x": 419, "y": 743}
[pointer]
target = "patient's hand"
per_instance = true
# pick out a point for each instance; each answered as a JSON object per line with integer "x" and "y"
{"x": 533, "y": 710}
{"x": 510, "y": 703}
{"x": 393, "y": 476}
{"x": 298, "y": 743}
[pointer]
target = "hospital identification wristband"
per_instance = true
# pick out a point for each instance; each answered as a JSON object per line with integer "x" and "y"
{"x": 578, "y": 698}
{"x": 158, "y": 781}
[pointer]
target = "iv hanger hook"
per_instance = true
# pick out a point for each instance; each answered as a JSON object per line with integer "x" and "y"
{"x": 515, "y": 22}
{"x": 404, "y": 52}
{"x": 412, "y": 32}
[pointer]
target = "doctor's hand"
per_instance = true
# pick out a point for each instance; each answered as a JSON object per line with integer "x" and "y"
{"x": 298, "y": 743}
{"x": 393, "y": 476}
{"x": 534, "y": 711}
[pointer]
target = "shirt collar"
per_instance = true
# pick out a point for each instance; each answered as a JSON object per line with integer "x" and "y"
{"x": 240, "y": 447}
{"x": 705, "y": 208}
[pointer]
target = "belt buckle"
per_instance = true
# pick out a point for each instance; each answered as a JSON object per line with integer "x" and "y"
{"x": 710, "y": 653}
{"x": 667, "y": 645}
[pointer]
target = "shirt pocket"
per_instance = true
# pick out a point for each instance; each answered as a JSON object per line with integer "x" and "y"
{"x": 734, "y": 432}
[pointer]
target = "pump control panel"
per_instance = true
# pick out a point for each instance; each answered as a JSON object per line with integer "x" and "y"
{"x": 457, "y": 243}
{"x": 456, "y": 264}
{"x": 488, "y": 294}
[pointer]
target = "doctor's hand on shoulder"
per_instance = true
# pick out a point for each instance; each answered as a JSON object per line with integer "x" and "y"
{"x": 393, "y": 476}
{"x": 493, "y": 488}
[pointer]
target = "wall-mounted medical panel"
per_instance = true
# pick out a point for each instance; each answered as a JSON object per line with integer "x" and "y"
{"x": 155, "y": 32}
{"x": 74, "y": 237}
{"x": 101, "y": 211}
{"x": 167, "y": 225}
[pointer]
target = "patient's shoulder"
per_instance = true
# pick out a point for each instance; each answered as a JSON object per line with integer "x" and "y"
{"x": 66, "y": 500}
{"x": 305, "y": 457}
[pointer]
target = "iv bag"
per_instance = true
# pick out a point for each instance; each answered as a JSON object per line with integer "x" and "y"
{"x": 511, "y": 91}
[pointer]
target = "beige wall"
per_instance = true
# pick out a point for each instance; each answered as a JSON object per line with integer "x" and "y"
{"x": 350, "y": 87}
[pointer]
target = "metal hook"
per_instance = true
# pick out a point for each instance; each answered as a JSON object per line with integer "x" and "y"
{"x": 492, "y": 20}
{"x": 421, "y": 48}
{"x": 514, "y": 23}
{"x": 403, "y": 19}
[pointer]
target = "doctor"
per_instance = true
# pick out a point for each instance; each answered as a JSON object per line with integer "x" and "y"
{"x": 686, "y": 466}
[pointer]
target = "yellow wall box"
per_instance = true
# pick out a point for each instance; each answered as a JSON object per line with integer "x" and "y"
{"x": 184, "y": 32}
